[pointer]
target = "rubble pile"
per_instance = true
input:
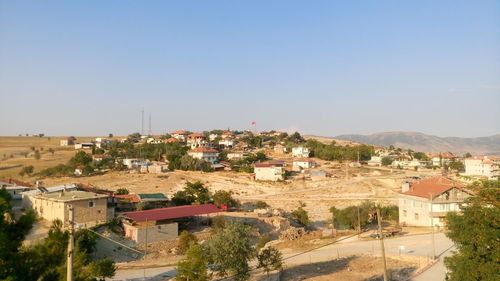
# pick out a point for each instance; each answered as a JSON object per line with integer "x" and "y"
{"x": 292, "y": 233}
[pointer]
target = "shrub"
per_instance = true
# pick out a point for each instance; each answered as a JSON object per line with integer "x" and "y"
{"x": 186, "y": 238}
{"x": 261, "y": 205}
{"x": 301, "y": 217}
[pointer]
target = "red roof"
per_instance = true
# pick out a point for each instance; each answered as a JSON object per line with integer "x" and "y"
{"x": 172, "y": 140}
{"x": 196, "y": 135}
{"x": 132, "y": 198}
{"x": 172, "y": 212}
{"x": 431, "y": 186}
{"x": 180, "y": 132}
{"x": 203, "y": 149}
{"x": 16, "y": 182}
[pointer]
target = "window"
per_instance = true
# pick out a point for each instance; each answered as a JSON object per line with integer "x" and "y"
{"x": 404, "y": 213}
{"x": 416, "y": 216}
{"x": 91, "y": 204}
{"x": 99, "y": 211}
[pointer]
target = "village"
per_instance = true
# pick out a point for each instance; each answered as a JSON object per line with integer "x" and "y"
{"x": 141, "y": 192}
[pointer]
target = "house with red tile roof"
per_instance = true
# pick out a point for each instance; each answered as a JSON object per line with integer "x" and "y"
{"x": 196, "y": 140}
{"x": 426, "y": 202}
{"x": 180, "y": 135}
{"x": 203, "y": 153}
{"x": 482, "y": 166}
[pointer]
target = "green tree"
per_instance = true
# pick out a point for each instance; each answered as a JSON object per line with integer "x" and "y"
{"x": 102, "y": 269}
{"x": 186, "y": 238}
{"x": 194, "y": 267}
{"x": 476, "y": 233}
{"x": 51, "y": 150}
{"x": 230, "y": 251}
{"x": 141, "y": 206}
{"x": 14, "y": 262}
{"x": 80, "y": 158}
{"x": 37, "y": 155}
{"x": 110, "y": 135}
{"x": 269, "y": 259}
{"x": 222, "y": 197}
{"x": 301, "y": 217}
{"x": 26, "y": 170}
{"x": 193, "y": 193}
{"x": 386, "y": 161}
{"x": 261, "y": 205}
{"x": 122, "y": 191}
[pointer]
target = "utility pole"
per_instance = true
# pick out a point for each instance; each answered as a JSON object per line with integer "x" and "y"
{"x": 381, "y": 238}
{"x": 71, "y": 245}
{"x": 146, "y": 248}
{"x": 359, "y": 224}
{"x": 149, "y": 131}
{"x": 432, "y": 230}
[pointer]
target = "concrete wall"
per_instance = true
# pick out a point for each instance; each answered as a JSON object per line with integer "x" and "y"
{"x": 155, "y": 232}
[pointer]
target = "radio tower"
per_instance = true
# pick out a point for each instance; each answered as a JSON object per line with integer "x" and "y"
{"x": 149, "y": 131}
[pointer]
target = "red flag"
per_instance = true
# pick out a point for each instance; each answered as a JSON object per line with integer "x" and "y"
{"x": 254, "y": 123}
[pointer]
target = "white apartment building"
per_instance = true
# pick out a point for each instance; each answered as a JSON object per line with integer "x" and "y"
{"x": 484, "y": 166}
{"x": 426, "y": 202}
{"x": 196, "y": 140}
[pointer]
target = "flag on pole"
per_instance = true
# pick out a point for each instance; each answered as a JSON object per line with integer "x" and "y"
{"x": 254, "y": 123}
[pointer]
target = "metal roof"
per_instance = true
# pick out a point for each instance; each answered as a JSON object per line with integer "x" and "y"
{"x": 172, "y": 212}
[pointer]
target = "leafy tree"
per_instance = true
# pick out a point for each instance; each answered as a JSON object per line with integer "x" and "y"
{"x": 269, "y": 259}
{"x": 37, "y": 155}
{"x": 420, "y": 156}
{"x": 467, "y": 155}
{"x": 218, "y": 223}
{"x": 386, "y": 161}
{"x": 26, "y": 170}
{"x": 261, "y": 205}
{"x": 456, "y": 165}
{"x": 80, "y": 158}
{"x": 141, "y": 206}
{"x": 110, "y": 135}
{"x": 186, "y": 238}
{"x": 52, "y": 151}
{"x": 349, "y": 216}
{"x": 14, "y": 263}
{"x": 194, "y": 267}
{"x": 122, "y": 191}
{"x": 102, "y": 269}
{"x": 475, "y": 233}
{"x": 222, "y": 197}
{"x": 193, "y": 193}
{"x": 230, "y": 251}
{"x": 300, "y": 216}
{"x": 135, "y": 136}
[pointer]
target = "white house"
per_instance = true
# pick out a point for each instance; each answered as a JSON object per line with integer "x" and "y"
{"x": 86, "y": 145}
{"x": 485, "y": 166}
{"x": 196, "y": 140}
{"x": 209, "y": 155}
{"x": 303, "y": 163}
{"x": 375, "y": 161}
{"x": 269, "y": 171}
{"x": 236, "y": 155}
{"x": 426, "y": 202}
{"x": 66, "y": 142}
{"x": 180, "y": 135}
{"x": 301, "y": 151}
{"x": 226, "y": 143}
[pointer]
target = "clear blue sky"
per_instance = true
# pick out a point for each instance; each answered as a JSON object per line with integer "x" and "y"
{"x": 323, "y": 67}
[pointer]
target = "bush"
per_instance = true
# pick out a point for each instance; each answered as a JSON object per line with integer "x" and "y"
{"x": 222, "y": 197}
{"x": 261, "y": 205}
{"x": 263, "y": 241}
{"x": 218, "y": 223}
{"x": 185, "y": 240}
{"x": 122, "y": 191}
{"x": 301, "y": 217}
{"x": 141, "y": 206}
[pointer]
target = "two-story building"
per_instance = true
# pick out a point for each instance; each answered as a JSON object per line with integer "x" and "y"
{"x": 302, "y": 164}
{"x": 180, "y": 135}
{"x": 90, "y": 208}
{"x": 426, "y": 202}
{"x": 196, "y": 140}
{"x": 483, "y": 166}
{"x": 209, "y": 155}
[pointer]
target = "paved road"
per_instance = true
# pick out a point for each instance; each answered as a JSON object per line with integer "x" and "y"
{"x": 157, "y": 273}
{"x": 436, "y": 272}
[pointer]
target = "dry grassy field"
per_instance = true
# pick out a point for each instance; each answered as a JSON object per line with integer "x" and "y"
{"x": 13, "y": 150}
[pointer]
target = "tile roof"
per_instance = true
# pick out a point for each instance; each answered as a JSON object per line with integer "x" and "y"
{"x": 16, "y": 182}
{"x": 172, "y": 140}
{"x": 180, "y": 132}
{"x": 196, "y": 135}
{"x": 203, "y": 149}
{"x": 132, "y": 198}
{"x": 435, "y": 186}
{"x": 172, "y": 212}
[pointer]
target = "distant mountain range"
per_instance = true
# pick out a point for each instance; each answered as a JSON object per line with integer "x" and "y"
{"x": 432, "y": 144}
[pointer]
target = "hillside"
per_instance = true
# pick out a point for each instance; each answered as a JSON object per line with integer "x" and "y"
{"x": 433, "y": 144}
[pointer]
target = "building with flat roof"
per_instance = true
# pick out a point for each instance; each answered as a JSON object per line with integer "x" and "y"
{"x": 90, "y": 208}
